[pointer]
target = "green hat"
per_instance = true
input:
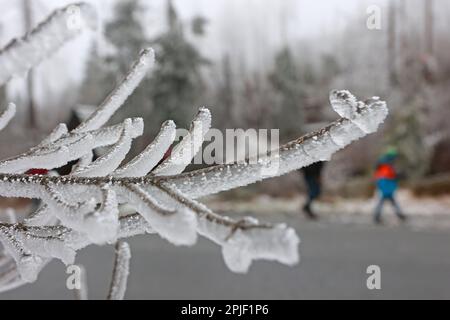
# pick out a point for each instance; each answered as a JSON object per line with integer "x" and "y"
{"x": 391, "y": 151}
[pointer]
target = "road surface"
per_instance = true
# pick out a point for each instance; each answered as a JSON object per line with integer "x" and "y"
{"x": 334, "y": 259}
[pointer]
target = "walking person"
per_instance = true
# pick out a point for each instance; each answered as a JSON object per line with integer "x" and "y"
{"x": 387, "y": 183}
{"x": 312, "y": 176}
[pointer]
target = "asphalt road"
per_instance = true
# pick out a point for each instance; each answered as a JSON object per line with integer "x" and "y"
{"x": 334, "y": 258}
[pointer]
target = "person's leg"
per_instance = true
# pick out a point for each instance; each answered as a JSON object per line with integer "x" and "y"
{"x": 379, "y": 209}
{"x": 397, "y": 208}
{"x": 312, "y": 195}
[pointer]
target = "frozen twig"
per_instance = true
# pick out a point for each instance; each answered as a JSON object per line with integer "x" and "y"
{"x": 20, "y": 55}
{"x": 120, "y": 94}
{"x": 82, "y": 208}
{"x": 120, "y": 272}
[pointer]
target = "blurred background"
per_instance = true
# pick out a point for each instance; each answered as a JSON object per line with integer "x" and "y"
{"x": 271, "y": 64}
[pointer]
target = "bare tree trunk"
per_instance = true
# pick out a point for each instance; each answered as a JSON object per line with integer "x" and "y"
{"x": 28, "y": 19}
{"x": 391, "y": 46}
{"x": 429, "y": 27}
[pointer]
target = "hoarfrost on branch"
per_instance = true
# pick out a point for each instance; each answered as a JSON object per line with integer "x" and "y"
{"x": 83, "y": 208}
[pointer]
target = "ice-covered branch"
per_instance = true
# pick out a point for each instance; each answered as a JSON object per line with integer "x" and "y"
{"x": 109, "y": 162}
{"x": 183, "y": 152}
{"x": 242, "y": 241}
{"x": 56, "y": 134}
{"x": 150, "y": 157}
{"x": 358, "y": 119}
{"x": 82, "y": 208}
{"x": 20, "y": 55}
{"x": 120, "y": 94}
{"x": 120, "y": 272}
{"x": 68, "y": 147}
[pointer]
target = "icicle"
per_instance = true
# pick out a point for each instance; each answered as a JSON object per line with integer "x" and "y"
{"x": 183, "y": 152}
{"x": 120, "y": 272}
{"x": 149, "y": 158}
{"x": 20, "y": 55}
{"x": 120, "y": 94}
{"x": 7, "y": 115}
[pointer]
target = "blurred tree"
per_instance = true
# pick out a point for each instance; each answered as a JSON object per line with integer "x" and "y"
{"x": 406, "y": 134}
{"x": 257, "y": 103}
{"x": 100, "y": 78}
{"x": 28, "y": 22}
{"x": 110, "y": 60}
{"x": 177, "y": 82}
{"x": 198, "y": 25}
{"x": 286, "y": 81}
{"x": 226, "y": 94}
{"x": 126, "y": 34}
{"x": 429, "y": 27}
{"x": 392, "y": 40}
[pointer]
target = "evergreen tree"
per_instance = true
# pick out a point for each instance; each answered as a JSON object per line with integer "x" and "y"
{"x": 127, "y": 35}
{"x": 286, "y": 81}
{"x": 177, "y": 83}
{"x": 99, "y": 80}
{"x": 226, "y": 94}
{"x": 406, "y": 134}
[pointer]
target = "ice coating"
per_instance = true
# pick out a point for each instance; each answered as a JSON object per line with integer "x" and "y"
{"x": 245, "y": 240}
{"x": 102, "y": 225}
{"x": 164, "y": 204}
{"x": 121, "y": 93}
{"x": 110, "y": 161}
{"x": 41, "y": 217}
{"x": 278, "y": 243}
{"x": 186, "y": 150}
{"x": 150, "y": 157}
{"x": 174, "y": 223}
{"x": 69, "y": 147}
{"x": 314, "y": 147}
{"x": 20, "y": 55}
{"x": 57, "y": 133}
{"x": 121, "y": 271}
{"x": 83, "y": 208}
{"x": 30, "y": 249}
